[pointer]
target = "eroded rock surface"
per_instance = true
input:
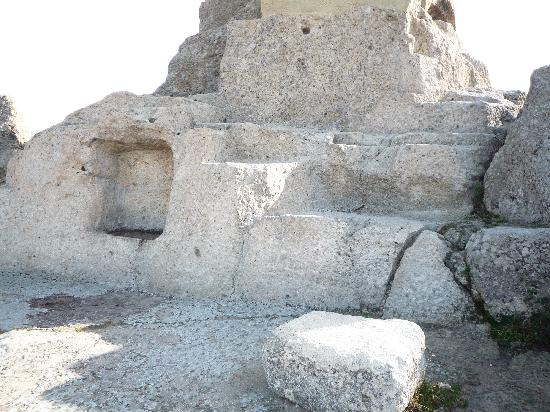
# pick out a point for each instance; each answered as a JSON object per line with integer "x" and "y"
{"x": 423, "y": 289}
{"x": 196, "y": 67}
{"x": 517, "y": 185}
{"x": 332, "y": 142}
{"x": 326, "y": 362}
{"x": 413, "y": 74}
{"x": 510, "y": 269}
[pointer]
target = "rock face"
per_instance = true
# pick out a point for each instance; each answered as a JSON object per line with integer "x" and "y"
{"x": 329, "y": 261}
{"x": 196, "y": 67}
{"x": 11, "y": 136}
{"x": 330, "y": 362}
{"x": 423, "y": 289}
{"x": 517, "y": 184}
{"x": 281, "y": 70}
{"x": 332, "y": 142}
{"x": 510, "y": 269}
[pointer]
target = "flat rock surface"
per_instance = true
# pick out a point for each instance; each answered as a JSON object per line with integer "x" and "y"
{"x": 68, "y": 346}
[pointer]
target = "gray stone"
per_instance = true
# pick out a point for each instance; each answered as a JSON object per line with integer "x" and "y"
{"x": 281, "y": 70}
{"x": 517, "y": 185}
{"x": 510, "y": 270}
{"x": 182, "y": 354}
{"x": 423, "y": 289}
{"x": 219, "y": 195}
{"x": 195, "y": 69}
{"x": 11, "y": 134}
{"x": 331, "y": 362}
{"x": 216, "y": 13}
{"x": 329, "y": 261}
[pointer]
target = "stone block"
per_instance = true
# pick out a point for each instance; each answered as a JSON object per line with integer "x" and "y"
{"x": 517, "y": 184}
{"x": 330, "y": 362}
{"x": 423, "y": 289}
{"x": 510, "y": 270}
{"x": 329, "y": 261}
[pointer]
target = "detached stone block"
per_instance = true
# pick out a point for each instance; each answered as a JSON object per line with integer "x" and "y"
{"x": 329, "y": 362}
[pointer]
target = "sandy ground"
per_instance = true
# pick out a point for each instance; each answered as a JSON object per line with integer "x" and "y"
{"x": 67, "y": 346}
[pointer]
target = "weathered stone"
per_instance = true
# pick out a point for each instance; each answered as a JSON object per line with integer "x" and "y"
{"x": 510, "y": 269}
{"x": 423, "y": 289}
{"x": 330, "y": 362}
{"x": 282, "y": 70}
{"x": 417, "y": 175}
{"x": 216, "y": 13}
{"x": 195, "y": 69}
{"x": 330, "y": 261}
{"x": 517, "y": 185}
{"x": 215, "y": 195}
{"x": 107, "y": 168}
{"x": 11, "y": 134}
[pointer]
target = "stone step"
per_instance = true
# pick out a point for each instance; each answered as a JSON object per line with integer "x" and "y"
{"x": 332, "y": 260}
{"x": 418, "y": 175}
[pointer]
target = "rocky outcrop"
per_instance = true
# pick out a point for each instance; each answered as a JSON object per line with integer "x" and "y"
{"x": 517, "y": 185}
{"x": 413, "y": 74}
{"x": 196, "y": 67}
{"x": 11, "y": 135}
{"x": 510, "y": 270}
{"x": 330, "y": 362}
{"x": 423, "y": 289}
{"x": 230, "y": 194}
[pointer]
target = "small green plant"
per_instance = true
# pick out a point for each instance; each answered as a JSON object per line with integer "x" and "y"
{"x": 441, "y": 397}
{"x": 508, "y": 334}
{"x": 533, "y": 332}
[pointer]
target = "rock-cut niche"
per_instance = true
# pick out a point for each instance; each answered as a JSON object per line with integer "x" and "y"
{"x": 136, "y": 188}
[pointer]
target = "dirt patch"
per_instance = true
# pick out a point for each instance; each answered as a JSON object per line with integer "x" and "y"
{"x": 64, "y": 309}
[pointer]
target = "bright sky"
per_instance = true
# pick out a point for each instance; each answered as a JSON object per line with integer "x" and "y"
{"x": 60, "y": 55}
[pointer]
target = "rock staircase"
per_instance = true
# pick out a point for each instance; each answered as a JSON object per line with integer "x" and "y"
{"x": 301, "y": 175}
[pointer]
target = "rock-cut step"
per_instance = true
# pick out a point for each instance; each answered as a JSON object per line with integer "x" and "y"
{"x": 330, "y": 261}
{"x": 421, "y": 175}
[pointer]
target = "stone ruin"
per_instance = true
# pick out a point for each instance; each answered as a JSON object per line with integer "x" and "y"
{"x": 300, "y": 173}
{"x": 330, "y": 154}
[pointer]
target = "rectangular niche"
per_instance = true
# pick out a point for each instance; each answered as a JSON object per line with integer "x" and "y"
{"x": 136, "y": 192}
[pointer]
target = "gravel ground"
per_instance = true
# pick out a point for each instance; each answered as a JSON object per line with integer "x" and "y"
{"x": 67, "y": 346}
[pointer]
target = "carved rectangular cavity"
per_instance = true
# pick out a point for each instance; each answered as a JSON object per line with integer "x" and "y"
{"x": 325, "y": 7}
{"x": 137, "y": 188}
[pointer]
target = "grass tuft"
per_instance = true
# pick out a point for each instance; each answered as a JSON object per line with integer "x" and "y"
{"x": 436, "y": 397}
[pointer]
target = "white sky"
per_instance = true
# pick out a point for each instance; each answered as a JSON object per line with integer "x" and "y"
{"x": 57, "y": 56}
